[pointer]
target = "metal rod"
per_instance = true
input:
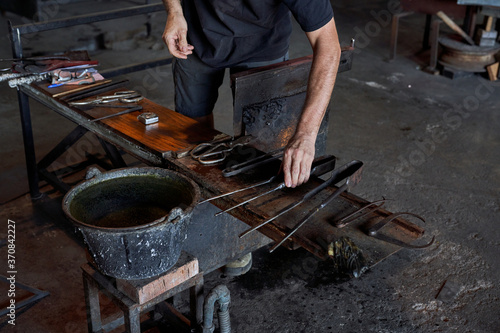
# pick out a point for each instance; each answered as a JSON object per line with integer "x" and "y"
{"x": 310, "y": 215}
{"x": 15, "y": 41}
{"x": 62, "y": 147}
{"x": 29, "y": 145}
{"x": 279, "y": 187}
{"x": 240, "y": 190}
{"x": 137, "y": 108}
{"x": 135, "y": 67}
{"x": 91, "y": 90}
{"x": 89, "y": 18}
{"x": 374, "y": 232}
{"x": 113, "y": 154}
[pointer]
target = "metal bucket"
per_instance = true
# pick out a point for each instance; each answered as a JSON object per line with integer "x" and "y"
{"x": 133, "y": 220}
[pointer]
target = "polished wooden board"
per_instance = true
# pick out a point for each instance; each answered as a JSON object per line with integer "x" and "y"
{"x": 173, "y": 132}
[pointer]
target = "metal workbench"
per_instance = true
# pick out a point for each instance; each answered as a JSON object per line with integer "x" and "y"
{"x": 214, "y": 241}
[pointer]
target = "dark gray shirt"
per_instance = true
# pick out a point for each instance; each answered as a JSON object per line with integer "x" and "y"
{"x": 227, "y": 32}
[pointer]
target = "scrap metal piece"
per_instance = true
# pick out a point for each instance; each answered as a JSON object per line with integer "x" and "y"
{"x": 347, "y": 257}
{"x": 341, "y": 173}
{"x": 351, "y": 181}
{"x": 374, "y": 232}
{"x": 148, "y": 118}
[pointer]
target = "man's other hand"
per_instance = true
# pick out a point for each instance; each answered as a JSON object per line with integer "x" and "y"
{"x": 175, "y": 35}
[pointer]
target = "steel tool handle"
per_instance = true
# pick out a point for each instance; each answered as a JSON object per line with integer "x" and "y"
{"x": 253, "y": 163}
{"x": 323, "y": 165}
{"x": 341, "y": 173}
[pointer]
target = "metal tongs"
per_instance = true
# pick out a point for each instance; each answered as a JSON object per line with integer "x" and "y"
{"x": 209, "y": 153}
{"x": 319, "y": 167}
{"x": 339, "y": 174}
{"x": 374, "y": 232}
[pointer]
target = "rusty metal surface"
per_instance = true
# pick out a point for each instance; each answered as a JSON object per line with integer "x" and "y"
{"x": 268, "y": 101}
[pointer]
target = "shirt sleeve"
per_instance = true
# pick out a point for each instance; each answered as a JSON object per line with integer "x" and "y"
{"x": 310, "y": 14}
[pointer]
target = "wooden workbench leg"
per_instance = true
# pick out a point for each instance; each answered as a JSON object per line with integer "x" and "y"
{"x": 434, "y": 44}
{"x": 196, "y": 303}
{"x": 92, "y": 306}
{"x": 133, "y": 320}
{"x": 395, "y": 32}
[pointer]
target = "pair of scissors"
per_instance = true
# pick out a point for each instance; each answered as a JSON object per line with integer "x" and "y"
{"x": 215, "y": 152}
{"x": 128, "y": 96}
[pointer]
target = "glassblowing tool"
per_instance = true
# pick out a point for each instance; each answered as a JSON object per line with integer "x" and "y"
{"x": 337, "y": 175}
{"x": 352, "y": 180}
{"x": 319, "y": 167}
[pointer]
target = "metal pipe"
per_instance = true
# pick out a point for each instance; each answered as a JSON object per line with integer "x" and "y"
{"x": 89, "y": 18}
{"x": 29, "y": 145}
{"x": 221, "y": 295}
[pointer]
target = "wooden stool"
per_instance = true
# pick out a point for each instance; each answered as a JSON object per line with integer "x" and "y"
{"x": 134, "y": 297}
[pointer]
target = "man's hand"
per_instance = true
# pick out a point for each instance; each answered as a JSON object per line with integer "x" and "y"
{"x": 299, "y": 153}
{"x": 175, "y": 33}
{"x": 297, "y": 159}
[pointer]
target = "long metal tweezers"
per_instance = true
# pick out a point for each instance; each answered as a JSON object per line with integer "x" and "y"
{"x": 337, "y": 175}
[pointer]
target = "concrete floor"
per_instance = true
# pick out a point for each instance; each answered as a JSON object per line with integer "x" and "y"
{"x": 429, "y": 143}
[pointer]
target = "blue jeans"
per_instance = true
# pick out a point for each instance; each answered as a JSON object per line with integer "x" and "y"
{"x": 197, "y": 84}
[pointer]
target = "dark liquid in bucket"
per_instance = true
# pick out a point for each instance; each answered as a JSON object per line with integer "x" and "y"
{"x": 131, "y": 216}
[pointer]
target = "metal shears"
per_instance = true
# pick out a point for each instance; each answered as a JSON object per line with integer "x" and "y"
{"x": 208, "y": 153}
{"x": 128, "y": 96}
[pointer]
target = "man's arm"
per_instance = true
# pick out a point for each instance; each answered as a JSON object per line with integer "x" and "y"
{"x": 175, "y": 32}
{"x": 299, "y": 152}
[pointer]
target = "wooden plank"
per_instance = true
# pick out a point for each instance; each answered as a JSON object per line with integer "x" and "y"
{"x": 493, "y": 71}
{"x": 174, "y": 132}
{"x": 142, "y": 291}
